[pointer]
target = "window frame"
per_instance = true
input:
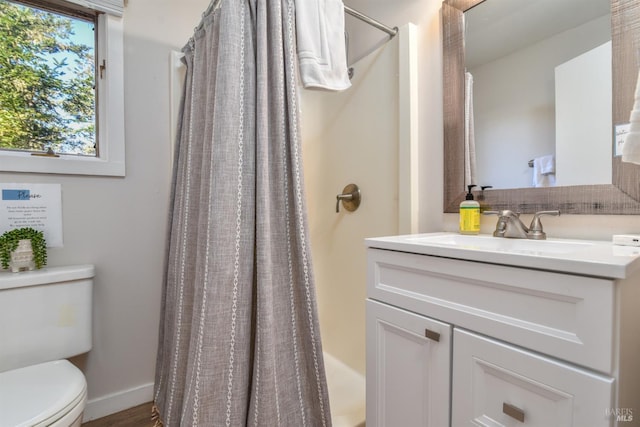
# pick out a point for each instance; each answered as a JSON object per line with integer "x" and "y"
{"x": 110, "y": 157}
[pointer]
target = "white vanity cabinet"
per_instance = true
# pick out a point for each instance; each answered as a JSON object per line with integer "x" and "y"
{"x": 518, "y": 345}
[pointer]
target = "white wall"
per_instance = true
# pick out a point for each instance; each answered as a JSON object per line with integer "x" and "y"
{"x": 342, "y": 145}
{"x": 119, "y": 224}
{"x": 364, "y": 38}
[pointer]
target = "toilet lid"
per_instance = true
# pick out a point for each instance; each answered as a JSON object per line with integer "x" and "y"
{"x": 39, "y": 395}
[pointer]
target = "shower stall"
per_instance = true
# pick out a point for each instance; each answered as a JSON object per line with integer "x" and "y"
{"x": 366, "y": 135}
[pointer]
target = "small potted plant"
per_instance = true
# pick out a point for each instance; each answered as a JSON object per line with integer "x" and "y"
{"x": 23, "y": 249}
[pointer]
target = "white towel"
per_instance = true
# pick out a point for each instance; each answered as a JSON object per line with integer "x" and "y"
{"x": 544, "y": 171}
{"x": 547, "y": 164}
{"x": 322, "y": 54}
{"x": 631, "y": 147}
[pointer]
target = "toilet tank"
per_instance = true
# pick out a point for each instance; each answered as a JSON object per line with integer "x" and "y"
{"x": 45, "y": 315}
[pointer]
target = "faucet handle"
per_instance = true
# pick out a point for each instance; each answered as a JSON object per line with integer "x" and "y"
{"x": 535, "y": 229}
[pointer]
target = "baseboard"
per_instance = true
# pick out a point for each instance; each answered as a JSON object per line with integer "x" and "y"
{"x": 116, "y": 402}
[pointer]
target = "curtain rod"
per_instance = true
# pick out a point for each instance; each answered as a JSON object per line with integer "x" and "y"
{"x": 361, "y": 16}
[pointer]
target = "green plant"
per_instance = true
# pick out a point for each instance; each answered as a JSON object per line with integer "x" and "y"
{"x": 9, "y": 243}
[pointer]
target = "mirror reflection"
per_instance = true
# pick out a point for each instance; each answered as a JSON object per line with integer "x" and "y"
{"x": 538, "y": 93}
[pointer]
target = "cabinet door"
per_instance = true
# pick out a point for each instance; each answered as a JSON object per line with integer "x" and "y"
{"x": 496, "y": 384}
{"x": 408, "y": 368}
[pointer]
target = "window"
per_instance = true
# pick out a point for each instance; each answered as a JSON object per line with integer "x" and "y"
{"x": 61, "y": 87}
{"x": 47, "y": 80}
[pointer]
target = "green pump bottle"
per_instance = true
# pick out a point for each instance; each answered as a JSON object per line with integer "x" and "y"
{"x": 469, "y": 214}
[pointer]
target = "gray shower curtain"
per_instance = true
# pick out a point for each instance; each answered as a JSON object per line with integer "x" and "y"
{"x": 239, "y": 337}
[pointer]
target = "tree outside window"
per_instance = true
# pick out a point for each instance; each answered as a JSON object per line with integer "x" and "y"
{"x": 47, "y": 81}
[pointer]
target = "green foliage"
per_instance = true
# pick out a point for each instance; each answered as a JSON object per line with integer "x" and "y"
{"x": 46, "y": 82}
{"x": 9, "y": 243}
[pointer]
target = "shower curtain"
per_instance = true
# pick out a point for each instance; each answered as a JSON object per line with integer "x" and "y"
{"x": 239, "y": 337}
{"x": 469, "y": 133}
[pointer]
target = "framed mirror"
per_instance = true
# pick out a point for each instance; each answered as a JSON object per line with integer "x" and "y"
{"x": 620, "y": 194}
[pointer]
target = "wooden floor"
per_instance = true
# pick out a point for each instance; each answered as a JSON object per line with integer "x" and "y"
{"x": 139, "y": 416}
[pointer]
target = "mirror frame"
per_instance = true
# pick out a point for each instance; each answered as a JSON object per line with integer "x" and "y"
{"x": 621, "y": 197}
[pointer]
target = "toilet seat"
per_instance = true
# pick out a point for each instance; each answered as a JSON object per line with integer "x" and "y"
{"x": 48, "y": 394}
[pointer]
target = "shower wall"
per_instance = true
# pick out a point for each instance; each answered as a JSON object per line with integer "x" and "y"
{"x": 354, "y": 137}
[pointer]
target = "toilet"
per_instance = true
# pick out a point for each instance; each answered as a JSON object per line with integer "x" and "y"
{"x": 45, "y": 317}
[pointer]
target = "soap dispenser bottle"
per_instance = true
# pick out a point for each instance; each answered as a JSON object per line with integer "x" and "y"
{"x": 469, "y": 214}
{"x": 483, "y": 206}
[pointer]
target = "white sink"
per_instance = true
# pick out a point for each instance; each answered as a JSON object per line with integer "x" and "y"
{"x": 586, "y": 257}
{"x": 499, "y": 244}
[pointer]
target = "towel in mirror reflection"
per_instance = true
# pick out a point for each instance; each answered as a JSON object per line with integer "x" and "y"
{"x": 544, "y": 171}
{"x": 631, "y": 147}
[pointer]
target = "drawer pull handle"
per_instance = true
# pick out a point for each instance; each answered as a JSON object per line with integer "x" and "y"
{"x": 513, "y": 412}
{"x": 434, "y": 336}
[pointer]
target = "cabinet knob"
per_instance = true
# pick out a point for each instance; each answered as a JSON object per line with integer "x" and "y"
{"x": 434, "y": 336}
{"x": 513, "y": 412}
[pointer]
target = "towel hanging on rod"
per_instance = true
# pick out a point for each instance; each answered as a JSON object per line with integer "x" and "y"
{"x": 321, "y": 44}
{"x": 322, "y": 57}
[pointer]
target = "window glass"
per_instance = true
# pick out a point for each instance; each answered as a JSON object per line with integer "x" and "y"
{"x": 47, "y": 80}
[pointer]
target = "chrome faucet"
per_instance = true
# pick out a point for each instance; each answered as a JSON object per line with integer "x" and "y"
{"x": 509, "y": 225}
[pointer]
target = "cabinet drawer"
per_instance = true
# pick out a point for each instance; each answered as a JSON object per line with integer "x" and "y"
{"x": 495, "y": 384}
{"x": 567, "y": 316}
